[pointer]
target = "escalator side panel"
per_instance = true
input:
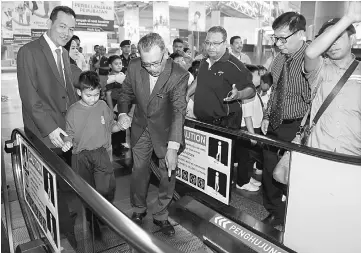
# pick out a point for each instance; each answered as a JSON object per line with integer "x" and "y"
{"x": 207, "y": 224}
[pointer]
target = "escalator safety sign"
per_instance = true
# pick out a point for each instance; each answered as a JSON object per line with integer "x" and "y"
{"x": 245, "y": 236}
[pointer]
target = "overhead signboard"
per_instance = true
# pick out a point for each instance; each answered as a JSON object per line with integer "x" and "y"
{"x": 94, "y": 16}
{"x": 205, "y": 164}
{"x": 40, "y": 192}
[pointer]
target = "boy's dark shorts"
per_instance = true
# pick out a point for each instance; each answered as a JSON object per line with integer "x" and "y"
{"x": 95, "y": 167}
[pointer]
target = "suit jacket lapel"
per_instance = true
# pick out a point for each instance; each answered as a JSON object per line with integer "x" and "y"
{"x": 49, "y": 56}
{"x": 162, "y": 79}
{"x": 68, "y": 78}
{"x": 145, "y": 84}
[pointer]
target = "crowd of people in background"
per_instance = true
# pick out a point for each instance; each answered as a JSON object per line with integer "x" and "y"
{"x": 219, "y": 86}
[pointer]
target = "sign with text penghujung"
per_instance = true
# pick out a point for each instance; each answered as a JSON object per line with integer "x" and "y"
{"x": 205, "y": 164}
{"x": 94, "y": 16}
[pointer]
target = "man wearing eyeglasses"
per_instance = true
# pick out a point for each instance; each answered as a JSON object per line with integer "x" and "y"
{"x": 289, "y": 102}
{"x": 158, "y": 86}
{"x": 221, "y": 83}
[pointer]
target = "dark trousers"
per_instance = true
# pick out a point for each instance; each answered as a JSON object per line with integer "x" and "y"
{"x": 273, "y": 190}
{"x": 65, "y": 196}
{"x": 95, "y": 168}
{"x": 142, "y": 154}
{"x": 246, "y": 156}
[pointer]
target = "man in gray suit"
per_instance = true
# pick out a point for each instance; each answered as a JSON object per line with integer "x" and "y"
{"x": 46, "y": 92}
{"x": 158, "y": 87}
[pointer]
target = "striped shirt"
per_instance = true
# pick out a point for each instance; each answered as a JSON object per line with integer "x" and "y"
{"x": 298, "y": 92}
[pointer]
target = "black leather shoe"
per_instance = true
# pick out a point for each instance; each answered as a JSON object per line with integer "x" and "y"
{"x": 138, "y": 218}
{"x": 165, "y": 227}
{"x": 273, "y": 220}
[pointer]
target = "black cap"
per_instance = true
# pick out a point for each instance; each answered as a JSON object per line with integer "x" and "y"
{"x": 351, "y": 29}
{"x": 125, "y": 43}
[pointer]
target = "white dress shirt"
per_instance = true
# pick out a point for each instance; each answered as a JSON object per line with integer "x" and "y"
{"x": 53, "y": 48}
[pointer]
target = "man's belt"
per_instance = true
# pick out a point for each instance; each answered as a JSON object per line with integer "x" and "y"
{"x": 290, "y": 121}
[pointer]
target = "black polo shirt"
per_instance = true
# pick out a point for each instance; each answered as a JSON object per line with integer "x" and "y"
{"x": 103, "y": 63}
{"x": 125, "y": 63}
{"x": 214, "y": 84}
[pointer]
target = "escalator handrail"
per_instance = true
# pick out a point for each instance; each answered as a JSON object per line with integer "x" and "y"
{"x": 134, "y": 235}
{"x": 337, "y": 157}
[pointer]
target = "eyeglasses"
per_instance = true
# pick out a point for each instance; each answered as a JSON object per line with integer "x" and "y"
{"x": 153, "y": 64}
{"x": 210, "y": 44}
{"x": 283, "y": 40}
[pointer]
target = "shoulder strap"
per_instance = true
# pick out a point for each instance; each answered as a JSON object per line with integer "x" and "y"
{"x": 335, "y": 91}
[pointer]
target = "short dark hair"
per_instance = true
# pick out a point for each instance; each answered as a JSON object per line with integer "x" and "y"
{"x": 65, "y": 9}
{"x": 267, "y": 78}
{"x": 293, "y": 20}
{"x": 89, "y": 80}
{"x": 75, "y": 38}
{"x": 261, "y": 67}
{"x": 67, "y": 45}
{"x": 147, "y": 42}
{"x": 252, "y": 68}
{"x": 233, "y": 39}
{"x": 218, "y": 29}
{"x": 176, "y": 55}
{"x": 113, "y": 58}
{"x": 195, "y": 68}
{"x": 186, "y": 49}
{"x": 177, "y": 40}
{"x": 96, "y": 46}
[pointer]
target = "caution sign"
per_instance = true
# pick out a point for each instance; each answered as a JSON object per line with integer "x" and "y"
{"x": 247, "y": 237}
{"x": 40, "y": 192}
{"x": 205, "y": 164}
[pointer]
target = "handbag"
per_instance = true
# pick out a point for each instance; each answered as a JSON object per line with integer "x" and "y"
{"x": 281, "y": 171}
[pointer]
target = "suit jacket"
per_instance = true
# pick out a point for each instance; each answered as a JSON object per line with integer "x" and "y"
{"x": 163, "y": 111}
{"x": 42, "y": 92}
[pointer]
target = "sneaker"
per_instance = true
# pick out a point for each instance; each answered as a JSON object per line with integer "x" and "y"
{"x": 255, "y": 182}
{"x": 248, "y": 187}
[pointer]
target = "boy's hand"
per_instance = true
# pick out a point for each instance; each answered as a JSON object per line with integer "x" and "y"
{"x": 67, "y": 145}
{"x": 253, "y": 142}
{"x": 124, "y": 120}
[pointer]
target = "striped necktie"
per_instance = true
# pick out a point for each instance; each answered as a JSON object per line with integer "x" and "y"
{"x": 58, "y": 63}
{"x": 276, "y": 113}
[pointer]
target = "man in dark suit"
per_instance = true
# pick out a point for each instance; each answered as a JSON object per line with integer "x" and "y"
{"x": 46, "y": 91}
{"x": 158, "y": 86}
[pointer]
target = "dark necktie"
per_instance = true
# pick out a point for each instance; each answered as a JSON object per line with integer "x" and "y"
{"x": 262, "y": 104}
{"x": 61, "y": 73}
{"x": 58, "y": 63}
{"x": 278, "y": 99}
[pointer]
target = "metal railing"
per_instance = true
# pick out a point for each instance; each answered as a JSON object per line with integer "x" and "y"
{"x": 134, "y": 235}
{"x": 337, "y": 157}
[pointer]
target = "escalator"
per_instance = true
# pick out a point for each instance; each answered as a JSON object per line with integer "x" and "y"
{"x": 202, "y": 223}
